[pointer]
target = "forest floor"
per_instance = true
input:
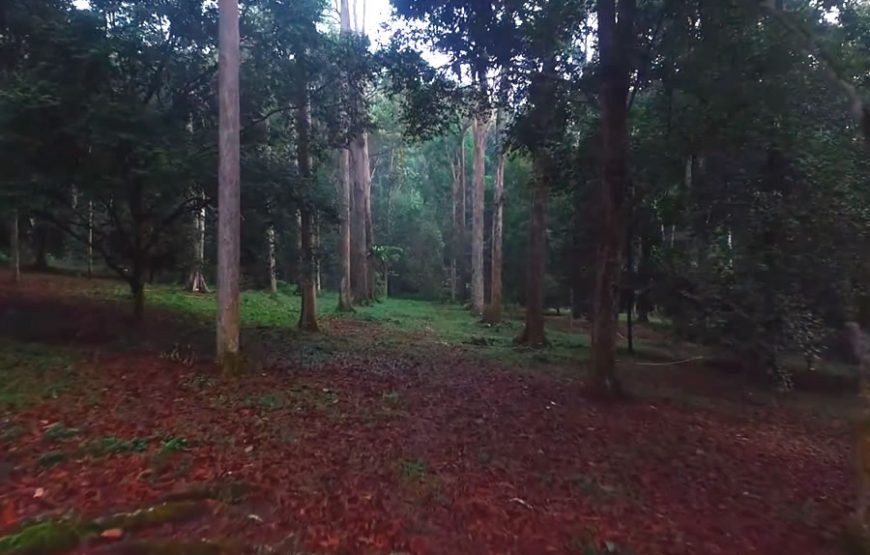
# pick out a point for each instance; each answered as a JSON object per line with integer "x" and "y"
{"x": 403, "y": 428}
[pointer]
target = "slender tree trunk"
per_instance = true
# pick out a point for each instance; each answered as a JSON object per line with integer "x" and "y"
{"x": 533, "y": 333}
{"x": 90, "y": 238}
{"x": 477, "y": 222}
{"x": 137, "y": 289}
{"x": 273, "y": 263}
{"x": 197, "y": 281}
{"x": 345, "y": 296}
{"x": 40, "y": 262}
{"x": 629, "y": 289}
{"x": 457, "y": 271}
{"x": 229, "y": 220}
{"x": 494, "y": 309}
{"x": 358, "y": 255}
{"x": 15, "y": 248}
{"x": 344, "y": 292}
{"x": 615, "y": 41}
{"x": 307, "y": 278}
{"x": 317, "y": 276}
{"x": 371, "y": 277}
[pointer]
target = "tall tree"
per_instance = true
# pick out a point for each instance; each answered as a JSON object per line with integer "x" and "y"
{"x": 479, "y": 127}
{"x": 494, "y": 308}
{"x": 345, "y": 296}
{"x": 615, "y": 43}
{"x": 308, "y": 263}
{"x": 459, "y": 232}
{"x": 229, "y": 195}
{"x": 15, "y": 247}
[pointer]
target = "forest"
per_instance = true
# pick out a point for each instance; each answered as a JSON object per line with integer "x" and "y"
{"x": 307, "y": 277}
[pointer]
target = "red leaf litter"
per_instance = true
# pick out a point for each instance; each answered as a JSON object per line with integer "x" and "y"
{"x": 376, "y": 453}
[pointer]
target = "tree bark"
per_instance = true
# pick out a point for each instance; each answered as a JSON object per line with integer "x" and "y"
{"x": 273, "y": 263}
{"x": 15, "y": 248}
{"x": 358, "y": 255}
{"x": 137, "y": 289}
{"x": 371, "y": 274}
{"x": 307, "y": 277}
{"x": 229, "y": 197}
{"x": 457, "y": 263}
{"x": 477, "y": 289}
{"x": 90, "y": 238}
{"x": 494, "y": 309}
{"x": 615, "y": 39}
{"x": 345, "y": 302}
{"x": 197, "y": 282}
{"x": 40, "y": 261}
{"x": 534, "y": 333}
{"x": 344, "y": 293}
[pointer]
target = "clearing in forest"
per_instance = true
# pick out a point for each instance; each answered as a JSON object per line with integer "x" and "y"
{"x": 404, "y": 428}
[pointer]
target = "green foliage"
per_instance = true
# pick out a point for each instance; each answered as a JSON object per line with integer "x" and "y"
{"x": 59, "y": 431}
{"x": 51, "y": 458}
{"x": 111, "y": 445}
{"x": 43, "y": 538}
{"x": 413, "y": 470}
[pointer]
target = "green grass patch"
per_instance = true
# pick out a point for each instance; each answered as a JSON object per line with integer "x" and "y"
{"x": 30, "y": 372}
{"x": 258, "y": 308}
{"x": 58, "y": 431}
{"x": 413, "y": 470}
{"x": 51, "y": 458}
{"x": 111, "y": 445}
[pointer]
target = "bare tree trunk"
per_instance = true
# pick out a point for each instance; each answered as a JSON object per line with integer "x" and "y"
{"x": 457, "y": 271}
{"x": 90, "y": 238}
{"x": 229, "y": 222}
{"x": 615, "y": 41}
{"x": 371, "y": 278}
{"x": 15, "y": 247}
{"x": 345, "y": 296}
{"x": 317, "y": 276}
{"x": 477, "y": 290}
{"x": 493, "y": 311}
{"x": 307, "y": 278}
{"x": 358, "y": 254}
{"x": 40, "y": 259}
{"x": 273, "y": 263}
{"x": 344, "y": 292}
{"x": 533, "y": 333}
{"x": 197, "y": 281}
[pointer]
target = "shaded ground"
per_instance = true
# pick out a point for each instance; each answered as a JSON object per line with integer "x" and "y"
{"x": 377, "y": 439}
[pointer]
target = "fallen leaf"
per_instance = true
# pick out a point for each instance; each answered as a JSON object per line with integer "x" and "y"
{"x": 7, "y": 517}
{"x": 40, "y": 492}
{"x": 112, "y": 534}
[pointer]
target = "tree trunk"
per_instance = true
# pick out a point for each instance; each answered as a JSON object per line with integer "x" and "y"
{"x": 307, "y": 278}
{"x": 90, "y": 238}
{"x": 457, "y": 266}
{"x": 40, "y": 262}
{"x": 15, "y": 248}
{"x": 344, "y": 292}
{"x": 477, "y": 290}
{"x": 229, "y": 221}
{"x": 493, "y": 311}
{"x": 137, "y": 290}
{"x": 615, "y": 41}
{"x": 533, "y": 332}
{"x": 358, "y": 254}
{"x": 197, "y": 281}
{"x": 317, "y": 276}
{"x": 273, "y": 263}
{"x": 371, "y": 277}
